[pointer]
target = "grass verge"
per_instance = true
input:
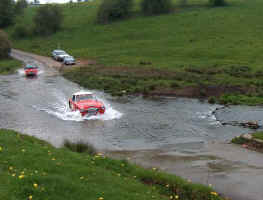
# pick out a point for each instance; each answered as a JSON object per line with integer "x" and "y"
{"x": 33, "y": 169}
{"x": 9, "y": 66}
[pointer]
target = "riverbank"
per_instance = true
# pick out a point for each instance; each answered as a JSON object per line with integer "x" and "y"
{"x": 252, "y": 141}
{"x": 9, "y": 66}
{"x": 33, "y": 169}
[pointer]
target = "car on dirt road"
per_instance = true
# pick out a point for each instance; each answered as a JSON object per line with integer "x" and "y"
{"x": 86, "y": 103}
{"x": 31, "y": 70}
{"x": 69, "y": 60}
{"x": 59, "y": 54}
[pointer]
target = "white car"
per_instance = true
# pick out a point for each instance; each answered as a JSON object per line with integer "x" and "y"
{"x": 69, "y": 60}
{"x": 59, "y": 54}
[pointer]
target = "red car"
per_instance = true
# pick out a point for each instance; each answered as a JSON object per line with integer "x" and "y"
{"x": 86, "y": 103}
{"x": 31, "y": 70}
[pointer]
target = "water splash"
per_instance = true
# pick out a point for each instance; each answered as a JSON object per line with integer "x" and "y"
{"x": 62, "y": 111}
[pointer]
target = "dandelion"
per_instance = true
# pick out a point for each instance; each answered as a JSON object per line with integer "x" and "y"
{"x": 10, "y": 168}
{"x": 214, "y": 193}
{"x": 167, "y": 185}
{"x": 153, "y": 168}
{"x": 22, "y": 172}
{"x": 1, "y": 148}
{"x": 30, "y": 197}
{"x": 101, "y": 198}
{"x": 36, "y": 171}
{"x": 35, "y": 185}
{"x": 23, "y": 150}
{"x": 13, "y": 175}
{"x": 176, "y": 197}
{"x": 21, "y": 176}
{"x": 53, "y": 159}
{"x": 171, "y": 197}
{"x": 82, "y": 177}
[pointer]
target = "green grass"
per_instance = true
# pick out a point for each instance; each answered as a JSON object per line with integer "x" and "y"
{"x": 31, "y": 167}
{"x": 9, "y": 66}
{"x": 258, "y": 135}
{"x": 219, "y": 47}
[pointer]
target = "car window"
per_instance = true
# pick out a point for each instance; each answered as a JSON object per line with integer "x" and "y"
{"x": 85, "y": 97}
{"x": 73, "y": 98}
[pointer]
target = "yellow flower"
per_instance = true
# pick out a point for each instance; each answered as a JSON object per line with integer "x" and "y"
{"x": 171, "y": 197}
{"x": 1, "y": 148}
{"x": 53, "y": 159}
{"x": 214, "y": 193}
{"x": 22, "y": 172}
{"x": 23, "y": 150}
{"x": 30, "y": 197}
{"x": 101, "y": 198}
{"x": 167, "y": 185}
{"x": 35, "y": 185}
{"x": 176, "y": 197}
{"x": 11, "y": 168}
{"x": 154, "y": 169}
{"x": 21, "y": 176}
{"x": 13, "y": 174}
{"x": 81, "y": 177}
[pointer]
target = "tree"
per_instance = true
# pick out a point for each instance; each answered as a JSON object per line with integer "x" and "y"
{"x": 48, "y": 19}
{"x": 20, "y": 6}
{"x": 7, "y": 13}
{"x": 217, "y": 2}
{"x": 5, "y": 45}
{"x": 156, "y": 7}
{"x": 112, "y": 10}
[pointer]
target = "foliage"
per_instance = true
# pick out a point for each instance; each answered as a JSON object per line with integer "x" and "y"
{"x": 5, "y": 45}
{"x": 9, "y": 66}
{"x": 156, "y": 7}
{"x": 48, "y": 19}
{"x": 33, "y": 169}
{"x": 21, "y": 31}
{"x": 239, "y": 140}
{"x": 217, "y": 2}
{"x": 7, "y": 13}
{"x": 112, "y": 10}
{"x": 258, "y": 135}
{"x": 80, "y": 147}
{"x": 20, "y": 6}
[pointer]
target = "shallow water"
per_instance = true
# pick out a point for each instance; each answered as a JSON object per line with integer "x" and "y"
{"x": 175, "y": 134}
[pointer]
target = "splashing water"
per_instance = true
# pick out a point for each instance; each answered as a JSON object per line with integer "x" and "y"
{"x": 61, "y": 110}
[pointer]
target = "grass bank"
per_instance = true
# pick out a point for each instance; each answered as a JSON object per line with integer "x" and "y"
{"x": 215, "y": 52}
{"x": 33, "y": 169}
{"x": 9, "y": 66}
{"x": 252, "y": 141}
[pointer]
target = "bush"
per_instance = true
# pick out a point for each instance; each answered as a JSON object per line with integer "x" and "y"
{"x": 20, "y": 6}
{"x": 21, "y": 31}
{"x": 112, "y": 10}
{"x": 217, "y": 2}
{"x": 80, "y": 147}
{"x": 48, "y": 19}
{"x": 5, "y": 45}
{"x": 156, "y": 7}
{"x": 7, "y": 13}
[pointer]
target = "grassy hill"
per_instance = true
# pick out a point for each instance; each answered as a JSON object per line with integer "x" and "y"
{"x": 8, "y": 66}
{"x": 33, "y": 169}
{"x": 207, "y": 47}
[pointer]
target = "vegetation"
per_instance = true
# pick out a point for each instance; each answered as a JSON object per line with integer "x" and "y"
{"x": 20, "y": 6}
{"x": 7, "y": 13}
{"x": 193, "y": 45}
{"x": 217, "y": 2}
{"x": 48, "y": 19}
{"x": 33, "y": 169}
{"x": 156, "y": 7}
{"x": 9, "y": 66}
{"x": 112, "y": 10}
{"x": 5, "y": 45}
{"x": 258, "y": 135}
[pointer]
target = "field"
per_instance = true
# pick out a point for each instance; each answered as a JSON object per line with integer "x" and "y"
{"x": 33, "y": 169}
{"x": 8, "y": 66}
{"x": 212, "y": 51}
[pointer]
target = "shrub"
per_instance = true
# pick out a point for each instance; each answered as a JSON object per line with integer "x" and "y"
{"x": 20, "y": 6}
{"x": 80, "y": 147}
{"x": 212, "y": 100}
{"x": 5, "y": 45}
{"x": 217, "y": 2}
{"x": 156, "y": 7}
{"x": 21, "y": 31}
{"x": 7, "y": 13}
{"x": 48, "y": 19}
{"x": 112, "y": 10}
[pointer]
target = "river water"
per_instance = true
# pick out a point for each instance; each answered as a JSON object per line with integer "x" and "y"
{"x": 178, "y": 135}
